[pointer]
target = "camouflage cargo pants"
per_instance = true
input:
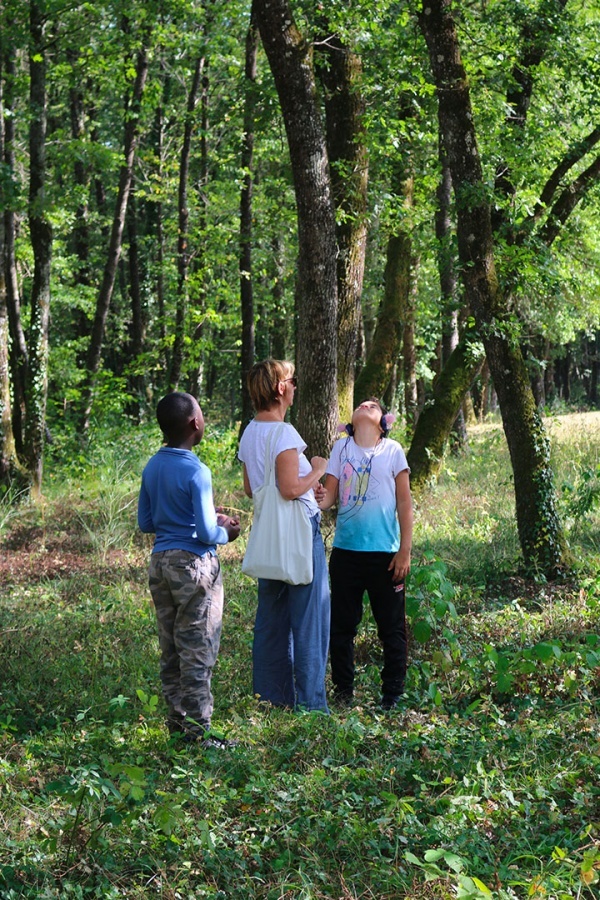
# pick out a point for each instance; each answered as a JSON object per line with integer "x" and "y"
{"x": 187, "y": 591}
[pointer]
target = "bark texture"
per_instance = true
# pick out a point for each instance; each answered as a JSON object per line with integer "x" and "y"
{"x": 344, "y": 113}
{"x": 385, "y": 347}
{"x": 291, "y": 62}
{"x": 36, "y": 388}
{"x": 183, "y": 253}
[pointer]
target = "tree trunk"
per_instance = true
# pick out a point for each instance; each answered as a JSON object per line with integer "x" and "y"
{"x": 159, "y": 136}
{"x": 594, "y": 370}
{"x": 246, "y": 285}
{"x": 290, "y": 59}
{"x": 36, "y": 388}
{"x": 81, "y": 229}
{"x": 448, "y": 282}
{"x": 280, "y": 326}
{"x": 18, "y": 341}
{"x": 409, "y": 360}
{"x": 426, "y": 453}
{"x": 137, "y": 380}
{"x": 116, "y": 237}
{"x": 183, "y": 255}
{"x": 7, "y": 442}
{"x": 197, "y": 374}
{"x": 537, "y": 520}
{"x": 384, "y": 351}
{"x": 344, "y": 113}
{"x": 385, "y": 348}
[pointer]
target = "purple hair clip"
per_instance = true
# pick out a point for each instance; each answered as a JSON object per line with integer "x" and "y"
{"x": 389, "y": 420}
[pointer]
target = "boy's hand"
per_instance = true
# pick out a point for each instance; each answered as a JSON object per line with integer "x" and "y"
{"x": 231, "y": 524}
{"x": 232, "y": 527}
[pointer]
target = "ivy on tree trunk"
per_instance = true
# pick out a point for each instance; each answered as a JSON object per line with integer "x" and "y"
{"x": 539, "y": 529}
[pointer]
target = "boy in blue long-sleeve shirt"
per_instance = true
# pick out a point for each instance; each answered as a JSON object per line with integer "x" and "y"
{"x": 176, "y": 504}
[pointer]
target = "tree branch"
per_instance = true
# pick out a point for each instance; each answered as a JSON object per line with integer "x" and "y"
{"x": 568, "y": 200}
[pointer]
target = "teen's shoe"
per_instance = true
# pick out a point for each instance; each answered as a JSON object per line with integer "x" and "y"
{"x": 390, "y": 701}
{"x": 342, "y": 698}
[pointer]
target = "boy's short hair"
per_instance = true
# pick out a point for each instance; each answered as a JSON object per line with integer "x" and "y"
{"x": 263, "y": 379}
{"x": 173, "y": 413}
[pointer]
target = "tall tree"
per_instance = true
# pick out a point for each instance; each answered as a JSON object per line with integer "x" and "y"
{"x": 340, "y": 71}
{"x": 537, "y": 520}
{"x": 290, "y": 57}
{"x": 7, "y": 443}
{"x": 131, "y": 137}
{"x": 247, "y": 160}
{"x": 384, "y": 353}
{"x": 36, "y": 387}
{"x": 183, "y": 251}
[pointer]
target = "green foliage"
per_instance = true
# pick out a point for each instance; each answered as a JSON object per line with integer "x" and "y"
{"x": 482, "y": 785}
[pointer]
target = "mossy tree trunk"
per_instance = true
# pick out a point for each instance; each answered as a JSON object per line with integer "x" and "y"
{"x": 426, "y": 453}
{"x": 374, "y": 377}
{"x": 7, "y": 442}
{"x": 537, "y": 520}
{"x": 183, "y": 216}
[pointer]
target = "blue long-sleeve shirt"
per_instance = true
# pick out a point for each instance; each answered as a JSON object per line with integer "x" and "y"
{"x": 176, "y": 503}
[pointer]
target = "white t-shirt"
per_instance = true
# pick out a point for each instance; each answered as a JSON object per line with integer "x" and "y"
{"x": 252, "y": 453}
{"x": 367, "y": 519}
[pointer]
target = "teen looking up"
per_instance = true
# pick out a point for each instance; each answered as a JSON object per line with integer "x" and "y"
{"x": 368, "y": 475}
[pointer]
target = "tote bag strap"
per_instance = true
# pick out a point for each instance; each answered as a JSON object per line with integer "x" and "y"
{"x": 269, "y": 463}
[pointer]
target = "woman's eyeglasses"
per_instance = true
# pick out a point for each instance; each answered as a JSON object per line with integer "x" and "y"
{"x": 293, "y": 379}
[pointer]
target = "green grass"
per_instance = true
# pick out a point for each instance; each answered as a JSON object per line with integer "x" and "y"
{"x": 485, "y": 784}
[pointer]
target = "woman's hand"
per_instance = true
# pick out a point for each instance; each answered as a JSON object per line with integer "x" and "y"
{"x": 318, "y": 465}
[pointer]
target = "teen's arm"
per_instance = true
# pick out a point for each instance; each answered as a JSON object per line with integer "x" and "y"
{"x": 329, "y": 497}
{"x": 400, "y": 564}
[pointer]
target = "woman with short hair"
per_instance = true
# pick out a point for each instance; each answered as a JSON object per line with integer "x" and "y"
{"x": 291, "y": 629}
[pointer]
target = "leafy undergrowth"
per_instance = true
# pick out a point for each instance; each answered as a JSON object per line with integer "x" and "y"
{"x": 483, "y": 784}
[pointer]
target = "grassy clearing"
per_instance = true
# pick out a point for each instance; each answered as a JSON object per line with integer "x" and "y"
{"x": 486, "y": 783}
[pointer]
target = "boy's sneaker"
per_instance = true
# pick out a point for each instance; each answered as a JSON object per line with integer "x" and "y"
{"x": 217, "y": 743}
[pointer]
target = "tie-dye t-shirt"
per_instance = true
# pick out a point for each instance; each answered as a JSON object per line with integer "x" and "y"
{"x": 367, "y": 518}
